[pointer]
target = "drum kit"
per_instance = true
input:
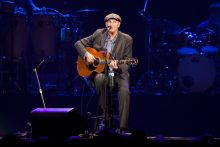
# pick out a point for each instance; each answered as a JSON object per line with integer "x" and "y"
{"x": 27, "y": 40}
{"x": 182, "y": 60}
{"x": 197, "y": 69}
{"x": 179, "y": 58}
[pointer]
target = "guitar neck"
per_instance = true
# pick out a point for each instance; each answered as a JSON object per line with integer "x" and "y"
{"x": 109, "y": 61}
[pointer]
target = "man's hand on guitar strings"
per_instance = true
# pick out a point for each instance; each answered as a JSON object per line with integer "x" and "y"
{"x": 89, "y": 58}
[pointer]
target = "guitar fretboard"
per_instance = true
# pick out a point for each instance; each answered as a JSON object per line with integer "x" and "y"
{"x": 118, "y": 61}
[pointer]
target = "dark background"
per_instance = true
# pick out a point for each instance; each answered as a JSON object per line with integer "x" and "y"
{"x": 171, "y": 115}
{"x": 184, "y": 14}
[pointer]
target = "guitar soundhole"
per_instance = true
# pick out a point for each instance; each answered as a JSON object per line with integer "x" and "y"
{"x": 96, "y": 62}
{"x": 91, "y": 67}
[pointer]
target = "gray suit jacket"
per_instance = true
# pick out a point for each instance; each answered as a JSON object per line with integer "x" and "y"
{"x": 121, "y": 50}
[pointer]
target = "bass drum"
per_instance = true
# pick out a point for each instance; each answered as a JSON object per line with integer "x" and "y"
{"x": 196, "y": 73}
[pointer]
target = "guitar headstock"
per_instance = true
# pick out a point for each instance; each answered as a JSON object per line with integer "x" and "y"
{"x": 132, "y": 61}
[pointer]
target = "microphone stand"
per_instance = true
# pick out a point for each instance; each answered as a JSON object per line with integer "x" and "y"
{"x": 110, "y": 100}
{"x": 107, "y": 116}
{"x": 38, "y": 81}
{"x": 106, "y": 122}
{"x": 106, "y": 125}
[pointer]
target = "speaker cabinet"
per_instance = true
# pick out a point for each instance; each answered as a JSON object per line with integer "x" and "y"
{"x": 57, "y": 123}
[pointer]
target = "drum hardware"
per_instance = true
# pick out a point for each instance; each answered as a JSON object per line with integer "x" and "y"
{"x": 11, "y": 76}
{"x": 195, "y": 71}
{"x": 188, "y": 42}
{"x": 209, "y": 42}
{"x": 161, "y": 42}
{"x": 38, "y": 37}
{"x": 69, "y": 31}
{"x": 7, "y": 7}
{"x": 197, "y": 42}
{"x": 14, "y": 40}
{"x": 161, "y": 82}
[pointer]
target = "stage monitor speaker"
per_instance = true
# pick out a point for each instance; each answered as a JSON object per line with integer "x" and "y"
{"x": 57, "y": 123}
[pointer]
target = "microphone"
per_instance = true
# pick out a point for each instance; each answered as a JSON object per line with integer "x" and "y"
{"x": 108, "y": 27}
{"x": 42, "y": 61}
{"x": 89, "y": 114}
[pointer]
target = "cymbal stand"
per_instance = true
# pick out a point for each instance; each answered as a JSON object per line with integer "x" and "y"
{"x": 148, "y": 50}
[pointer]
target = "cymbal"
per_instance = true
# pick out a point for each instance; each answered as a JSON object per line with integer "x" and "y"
{"x": 85, "y": 10}
{"x": 165, "y": 26}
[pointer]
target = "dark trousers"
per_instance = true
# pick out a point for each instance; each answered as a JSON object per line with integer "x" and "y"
{"x": 123, "y": 93}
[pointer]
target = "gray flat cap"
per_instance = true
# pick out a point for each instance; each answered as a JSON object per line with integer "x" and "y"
{"x": 112, "y": 16}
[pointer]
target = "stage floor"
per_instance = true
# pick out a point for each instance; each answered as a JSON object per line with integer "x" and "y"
{"x": 184, "y": 115}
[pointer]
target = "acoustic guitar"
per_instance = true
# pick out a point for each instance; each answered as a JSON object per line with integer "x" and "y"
{"x": 86, "y": 69}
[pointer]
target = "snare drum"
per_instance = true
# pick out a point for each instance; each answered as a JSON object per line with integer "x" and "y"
{"x": 196, "y": 73}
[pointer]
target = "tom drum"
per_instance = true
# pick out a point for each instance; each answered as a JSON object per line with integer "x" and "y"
{"x": 44, "y": 36}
